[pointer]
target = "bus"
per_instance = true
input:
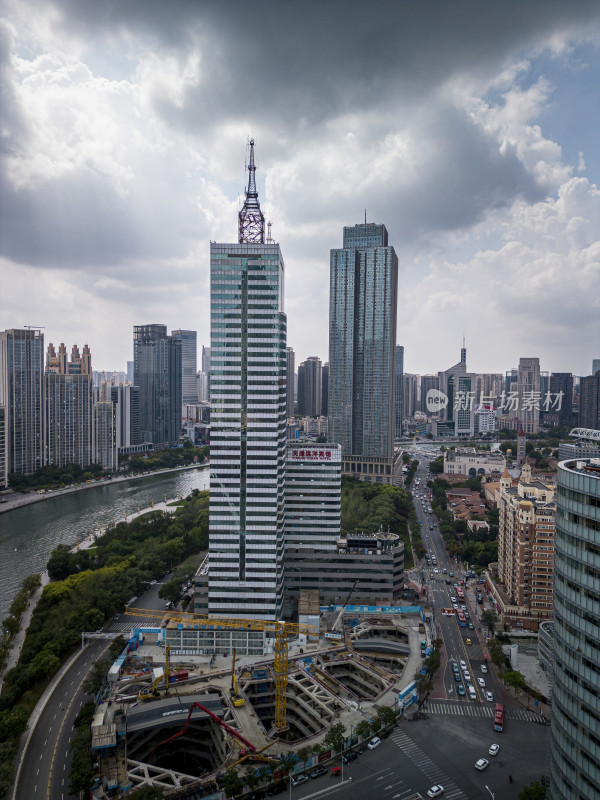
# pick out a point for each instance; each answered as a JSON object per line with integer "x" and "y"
{"x": 499, "y": 718}
{"x": 460, "y": 594}
{"x": 462, "y": 620}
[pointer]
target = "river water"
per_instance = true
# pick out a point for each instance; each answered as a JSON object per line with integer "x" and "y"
{"x": 29, "y": 534}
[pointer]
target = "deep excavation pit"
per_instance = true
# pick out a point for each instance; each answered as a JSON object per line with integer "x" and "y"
{"x": 310, "y": 707}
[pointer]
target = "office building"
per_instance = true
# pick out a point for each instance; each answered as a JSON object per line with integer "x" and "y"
{"x": 448, "y": 378}
{"x": 595, "y": 365}
{"x": 202, "y": 381}
{"x": 574, "y": 751}
{"x": 189, "y": 356}
{"x": 206, "y": 369}
{"x": 21, "y": 394}
{"x": 560, "y": 401}
{"x": 290, "y": 378}
{"x": 248, "y": 419}
{"x": 3, "y": 448}
{"x": 525, "y": 551}
{"x": 428, "y": 382}
{"x": 68, "y": 404}
{"x": 589, "y": 401}
{"x": 309, "y": 387}
{"x": 409, "y": 398}
{"x": 325, "y": 390}
{"x": 399, "y": 393}
{"x": 130, "y": 372}
{"x": 313, "y": 495}
{"x": 126, "y": 399}
{"x": 362, "y": 347}
{"x": 157, "y": 374}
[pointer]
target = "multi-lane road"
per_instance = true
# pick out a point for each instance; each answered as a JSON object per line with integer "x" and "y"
{"x": 442, "y": 576}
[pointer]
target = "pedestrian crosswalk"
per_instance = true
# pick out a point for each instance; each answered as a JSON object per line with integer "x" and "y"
{"x": 428, "y": 767}
{"x": 458, "y": 709}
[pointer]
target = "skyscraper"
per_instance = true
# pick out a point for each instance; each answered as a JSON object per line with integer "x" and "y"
{"x": 126, "y": 399}
{"x": 189, "y": 357}
{"x": 428, "y": 382}
{"x": 290, "y": 378}
{"x": 574, "y": 755}
{"x": 21, "y": 393}
{"x": 248, "y": 419}
{"x": 3, "y": 449}
{"x": 68, "y": 407}
{"x": 157, "y": 368}
{"x": 310, "y": 387}
{"x": 206, "y": 369}
{"x": 589, "y": 401}
{"x": 399, "y": 396}
{"x": 325, "y": 390}
{"x": 362, "y": 351}
{"x": 529, "y": 386}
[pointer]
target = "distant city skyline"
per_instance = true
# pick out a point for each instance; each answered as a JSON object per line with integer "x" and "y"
{"x": 470, "y": 129}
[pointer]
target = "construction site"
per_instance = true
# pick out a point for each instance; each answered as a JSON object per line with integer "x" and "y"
{"x": 179, "y": 718}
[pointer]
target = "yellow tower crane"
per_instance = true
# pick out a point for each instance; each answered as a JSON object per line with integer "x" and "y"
{"x": 282, "y": 631}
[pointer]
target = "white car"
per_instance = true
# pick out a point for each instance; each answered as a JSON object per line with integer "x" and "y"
{"x": 493, "y": 751}
{"x": 480, "y": 681}
{"x": 463, "y": 607}
{"x": 483, "y": 668}
{"x": 467, "y": 677}
{"x": 463, "y": 664}
{"x": 436, "y": 571}
{"x": 375, "y": 742}
{"x": 453, "y": 600}
{"x": 489, "y": 697}
{"x": 435, "y": 791}
{"x": 481, "y": 764}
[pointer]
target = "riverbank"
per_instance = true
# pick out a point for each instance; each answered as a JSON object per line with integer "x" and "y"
{"x": 18, "y": 499}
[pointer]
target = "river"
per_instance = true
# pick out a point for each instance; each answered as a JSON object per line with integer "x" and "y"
{"x": 30, "y": 533}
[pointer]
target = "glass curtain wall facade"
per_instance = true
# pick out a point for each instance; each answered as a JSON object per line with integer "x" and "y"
{"x": 399, "y": 398}
{"x": 189, "y": 358}
{"x": 157, "y": 373}
{"x": 21, "y": 393}
{"x": 575, "y": 745}
{"x": 362, "y": 342}
{"x": 248, "y": 430}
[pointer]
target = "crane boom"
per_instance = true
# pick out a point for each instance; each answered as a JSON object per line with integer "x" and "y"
{"x": 214, "y": 717}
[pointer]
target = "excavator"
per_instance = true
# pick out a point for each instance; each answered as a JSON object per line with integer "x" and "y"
{"x": 234, "y": 692}
{"x": 153, "y": 693}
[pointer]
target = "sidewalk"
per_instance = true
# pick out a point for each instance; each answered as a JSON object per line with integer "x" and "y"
{"x": 19, "y": 638}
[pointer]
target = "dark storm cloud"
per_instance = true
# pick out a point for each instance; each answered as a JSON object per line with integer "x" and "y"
{"x": 311, "y": 60}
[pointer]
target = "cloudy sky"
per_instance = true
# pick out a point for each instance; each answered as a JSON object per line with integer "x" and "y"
{"x": 469, "y": 128}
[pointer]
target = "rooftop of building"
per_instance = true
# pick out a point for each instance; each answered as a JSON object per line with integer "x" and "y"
{"x": 586, "y": 466}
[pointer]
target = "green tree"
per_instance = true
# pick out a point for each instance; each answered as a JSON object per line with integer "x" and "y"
{"x": 287, "y": 760}
{"x": 515, "y": 680}
{"x": 44, "y": 665}
{"x": 171, "y": 591}
{"x": 304, "y": 753}
{"x": 95, "y": 677}
{"x": 335, "y": 737}
{"x": 233, "y": 784}
{"x": 386, "y": 714}
{"x": 250, "y": 778}
{"x": 534, "y": 791}
{"x": 363, "y": 730}
{"x": 12, "y": 723}
{"x": 489, "y": 618}
{"x": 59, "y": 563}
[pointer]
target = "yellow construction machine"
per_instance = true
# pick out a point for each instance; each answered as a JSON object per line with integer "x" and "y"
{"x": 236, "y": 697}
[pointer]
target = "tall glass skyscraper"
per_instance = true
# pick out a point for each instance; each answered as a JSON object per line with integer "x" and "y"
{"x": 575, "y": 747}
{"x": 362, "y": 343}
{"x": 248, "y": 420}
{"x": 157, "y": 373}
{"x": 399, "y": 397}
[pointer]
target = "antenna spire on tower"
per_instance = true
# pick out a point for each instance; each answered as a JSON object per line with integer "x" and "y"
{"x": 251, "y": 222}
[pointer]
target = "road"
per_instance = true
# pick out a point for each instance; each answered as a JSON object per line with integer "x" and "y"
{"x": 442, "y": 579}
{"x": 47, "y": 761}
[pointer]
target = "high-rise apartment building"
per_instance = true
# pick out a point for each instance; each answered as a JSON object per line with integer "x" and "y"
{"x": 595, "y": 365}
{"x": 189, "y": 357}
{"x": 248, "y": 419}
{"x": 290, "y": 378}
{"x": 126, "y": 399}
{"x": 409, "y": 399}
{"x": 529, "y": 386}
{"x": 561, "y": 398}
{"x": 157, "y": 368}
{"x": 21, "y": 393}
{"x": 525, "y": 550}
{"x": 399, "y": 395}
{"x": 310, "y": 387}
{"x": 3, "y": 449}
{"x": 574, "y": 750}
{"x": 362, "y": 351}
{"x": 106, "y": 446}
{"x": 68, "y": 404}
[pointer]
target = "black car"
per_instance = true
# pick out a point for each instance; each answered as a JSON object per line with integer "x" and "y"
{"x": 351, "y": 756}
{"x": 277, "y": 788}
{"x": 317, "y": 772}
